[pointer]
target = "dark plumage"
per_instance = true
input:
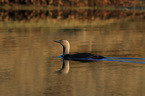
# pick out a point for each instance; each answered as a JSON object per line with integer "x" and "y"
{"x": 81, "y": 55}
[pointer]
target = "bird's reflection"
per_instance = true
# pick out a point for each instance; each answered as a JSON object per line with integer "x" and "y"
{"x": 65, "y": 67}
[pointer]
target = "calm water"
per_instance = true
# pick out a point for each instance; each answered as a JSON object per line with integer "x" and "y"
{"x": 29, "y": 65}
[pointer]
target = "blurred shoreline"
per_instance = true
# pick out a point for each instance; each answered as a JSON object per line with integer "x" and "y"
{"x": 74, "y": 3}
{"x": 66, "y": 18}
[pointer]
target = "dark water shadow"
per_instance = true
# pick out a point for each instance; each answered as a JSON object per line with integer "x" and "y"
{"x": 65, "y": 65}
{"x": 124, "y": 59}
{"x": 116, "y": 59}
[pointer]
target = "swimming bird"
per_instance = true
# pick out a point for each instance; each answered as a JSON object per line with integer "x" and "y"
{"x": 77, "y": 56}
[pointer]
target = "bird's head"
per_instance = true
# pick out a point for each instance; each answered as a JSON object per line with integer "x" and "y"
{"x": 63, "y": 42}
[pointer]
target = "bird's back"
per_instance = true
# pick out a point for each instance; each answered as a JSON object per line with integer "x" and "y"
{"x": 82, "y": 55}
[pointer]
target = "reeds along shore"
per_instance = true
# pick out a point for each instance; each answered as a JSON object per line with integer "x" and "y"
{"x": 32, "y": 15}
{"x": 73, "y": 3}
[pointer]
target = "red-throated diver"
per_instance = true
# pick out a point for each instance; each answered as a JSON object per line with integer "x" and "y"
{"x": 66, "y": 55}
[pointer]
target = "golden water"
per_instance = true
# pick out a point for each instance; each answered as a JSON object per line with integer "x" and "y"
{"x": 29, "y": 62}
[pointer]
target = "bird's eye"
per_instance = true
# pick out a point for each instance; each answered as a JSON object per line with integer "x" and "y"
{"x": 61, "y": 41}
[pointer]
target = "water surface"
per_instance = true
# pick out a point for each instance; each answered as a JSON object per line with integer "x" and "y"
{"x": 29, "y": 64}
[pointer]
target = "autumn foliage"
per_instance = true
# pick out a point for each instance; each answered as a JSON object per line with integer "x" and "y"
{"x": 72, "y": 3}
{"x": 36, "y": 15}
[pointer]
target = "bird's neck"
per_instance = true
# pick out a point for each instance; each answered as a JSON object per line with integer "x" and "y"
{"x": 66, "y": 49}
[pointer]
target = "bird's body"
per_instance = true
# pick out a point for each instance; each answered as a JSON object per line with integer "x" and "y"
{"x": 77, "y": 56}
{"x": 82, "y": 55}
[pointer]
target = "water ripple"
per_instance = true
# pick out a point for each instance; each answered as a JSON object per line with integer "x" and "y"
{"x": 116, "y": 59}
{"x": 124, "y": 59}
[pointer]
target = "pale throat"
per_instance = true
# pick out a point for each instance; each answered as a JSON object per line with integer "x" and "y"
{"x": 66, "y": 49}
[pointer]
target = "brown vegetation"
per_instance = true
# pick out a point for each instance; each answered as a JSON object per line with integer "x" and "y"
{"x": 72, "y": 3}
{"x": 32, "y": 15}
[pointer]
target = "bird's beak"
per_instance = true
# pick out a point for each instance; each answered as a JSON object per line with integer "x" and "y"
{"x": 56, "y": 41}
